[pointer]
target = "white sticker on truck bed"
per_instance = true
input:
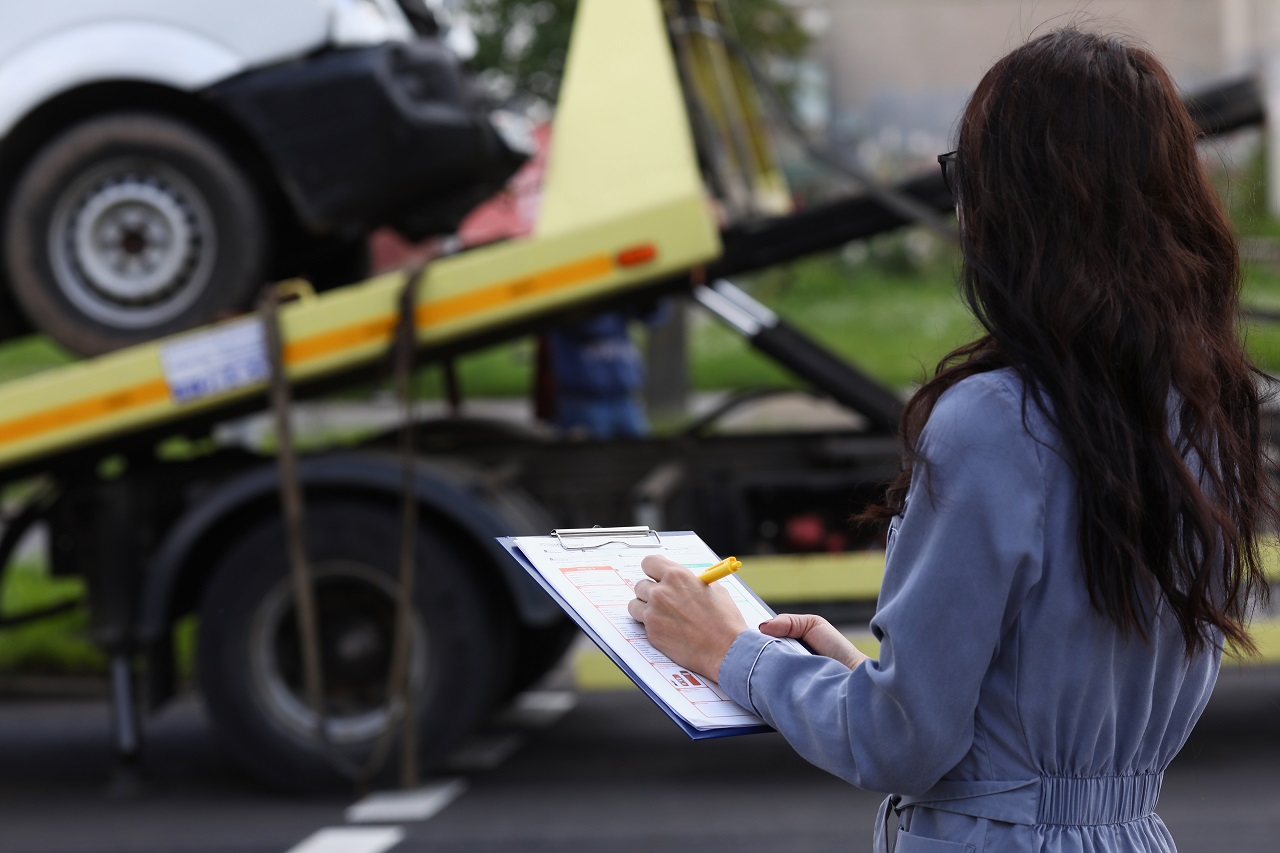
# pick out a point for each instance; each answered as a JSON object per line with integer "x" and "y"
{"x": 216, "y": 361}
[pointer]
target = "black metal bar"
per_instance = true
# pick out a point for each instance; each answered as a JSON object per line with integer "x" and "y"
{"x": 803, "y": 356}
{"x": 1227, "y": 106}
{"x": 822, "y": 369}
{"x": 125, "y": 730}
{"x": 768, "y": 242}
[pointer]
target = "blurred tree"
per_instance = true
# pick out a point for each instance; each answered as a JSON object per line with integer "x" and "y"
{"x": 522, "y": 43}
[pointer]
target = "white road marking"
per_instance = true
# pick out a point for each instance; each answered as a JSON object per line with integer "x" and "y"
{"x": 484, "y": 752}
{"x": 539, "y": 708}
{"x": 532, "y": 709}
{"x": 364, "y": 839}
{"x": 417, "y": 804}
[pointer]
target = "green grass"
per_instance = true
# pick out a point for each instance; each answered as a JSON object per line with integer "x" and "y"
{"x": 1244, "y": 192}
{"x": 58, "y": 645}
{"x": 1262, "y": 339}
{"x": 61, "y": 645}
{"x": 891, "y": 321}
{"x": 29, "y": 355}
{"x": 501, "y": 371}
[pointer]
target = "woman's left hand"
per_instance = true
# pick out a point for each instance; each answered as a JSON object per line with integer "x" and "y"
{"x": 689, "y": 621}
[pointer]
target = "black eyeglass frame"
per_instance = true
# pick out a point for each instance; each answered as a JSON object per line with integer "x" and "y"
{"x": 947, "y": 162}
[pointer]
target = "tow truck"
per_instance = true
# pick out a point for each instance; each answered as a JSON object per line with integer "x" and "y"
{"x": 303, "y": 681}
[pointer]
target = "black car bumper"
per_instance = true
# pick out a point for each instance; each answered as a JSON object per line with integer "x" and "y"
{"x": 384, "y": 135}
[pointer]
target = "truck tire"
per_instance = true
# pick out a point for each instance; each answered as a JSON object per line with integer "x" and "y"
{"x": 538, "y": 650}
{"x": 249, "y": 662}
{"x": 130, "y": 226}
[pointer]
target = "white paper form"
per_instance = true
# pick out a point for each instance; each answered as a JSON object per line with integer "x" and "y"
{"x": 598, "y": 583}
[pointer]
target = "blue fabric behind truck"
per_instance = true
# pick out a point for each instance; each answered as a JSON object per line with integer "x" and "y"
{"x": 597, "y": 374}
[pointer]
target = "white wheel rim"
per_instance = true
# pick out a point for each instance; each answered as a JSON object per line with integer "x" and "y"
{"x": 287, "y": 705}
{"x": 132, "y": 243}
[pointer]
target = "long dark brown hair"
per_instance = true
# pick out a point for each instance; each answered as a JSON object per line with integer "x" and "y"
{"x": 1100, "y": 264}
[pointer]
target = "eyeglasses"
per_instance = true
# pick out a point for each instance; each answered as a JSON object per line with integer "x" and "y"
{"x": 948, "y": 163}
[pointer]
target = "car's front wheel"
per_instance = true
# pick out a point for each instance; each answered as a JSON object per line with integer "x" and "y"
{"x": 130, "y": 226}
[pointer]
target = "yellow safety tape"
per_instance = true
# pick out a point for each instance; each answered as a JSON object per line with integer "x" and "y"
{"x": 61, "y": 417}
{"x": 347, "y": 337}
{"x": 379, "y": 329}
{"x": 510, "y": 291}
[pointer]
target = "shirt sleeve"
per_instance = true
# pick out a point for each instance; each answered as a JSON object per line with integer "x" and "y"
{"x": 959, "y": 563}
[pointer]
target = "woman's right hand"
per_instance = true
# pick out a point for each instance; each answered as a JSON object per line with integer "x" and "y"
{"x": 816, "y": 633}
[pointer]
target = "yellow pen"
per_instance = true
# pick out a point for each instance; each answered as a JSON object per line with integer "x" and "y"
{"x": 722, "y": 569}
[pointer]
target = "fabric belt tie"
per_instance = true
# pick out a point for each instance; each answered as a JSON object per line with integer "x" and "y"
{"x": 1047, "y": 801}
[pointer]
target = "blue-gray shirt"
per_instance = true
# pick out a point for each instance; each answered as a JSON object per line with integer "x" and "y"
{"x": 1011, "y": 714}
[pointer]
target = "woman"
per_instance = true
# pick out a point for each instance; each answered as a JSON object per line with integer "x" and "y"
{"x": 1075, "y": 534}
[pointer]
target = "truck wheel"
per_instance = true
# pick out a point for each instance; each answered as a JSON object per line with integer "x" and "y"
{"x": 538, "y": 652}
{"x": 130, "y": 226}
{"x": 250, "y": 664}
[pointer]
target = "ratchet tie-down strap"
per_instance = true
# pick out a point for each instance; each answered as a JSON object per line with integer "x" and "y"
{"x": 399, "y": 710}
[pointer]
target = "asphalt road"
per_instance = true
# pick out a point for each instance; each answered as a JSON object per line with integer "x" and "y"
{"x": 609, "y": 773}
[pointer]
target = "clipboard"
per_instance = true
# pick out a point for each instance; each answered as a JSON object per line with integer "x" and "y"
{"x": 590, "y": 538}
{"x": 581, "y": 543}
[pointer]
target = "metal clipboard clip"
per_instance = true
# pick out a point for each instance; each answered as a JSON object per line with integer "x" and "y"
{"x": 587, "y": 538}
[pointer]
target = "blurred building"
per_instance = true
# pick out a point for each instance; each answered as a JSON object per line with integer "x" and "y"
{"x": 892, "y": 77}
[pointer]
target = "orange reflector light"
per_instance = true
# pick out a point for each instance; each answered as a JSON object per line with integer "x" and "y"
{"x": 637, "y": 255}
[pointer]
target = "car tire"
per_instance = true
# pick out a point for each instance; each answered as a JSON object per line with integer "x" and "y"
{"x": 538, "y": 651}
{"x": 249, "y": 665}
{"x": 129, "y": 226}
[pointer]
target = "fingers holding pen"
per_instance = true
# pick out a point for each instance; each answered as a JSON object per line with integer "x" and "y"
{"x": 638, "y": 609}
{"x": 658, "y": 567}
{"x": 642, "y": 588}
{"x": 691, "y": 622}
